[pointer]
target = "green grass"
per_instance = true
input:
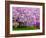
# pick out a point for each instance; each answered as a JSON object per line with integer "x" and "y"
{"x": 24, "y": 28}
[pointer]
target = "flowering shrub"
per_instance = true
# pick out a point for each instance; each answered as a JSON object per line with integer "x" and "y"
{"x": 26, "y": 14}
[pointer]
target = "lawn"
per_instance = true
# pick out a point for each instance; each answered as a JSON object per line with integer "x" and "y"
{"x": 25, "y": 28}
